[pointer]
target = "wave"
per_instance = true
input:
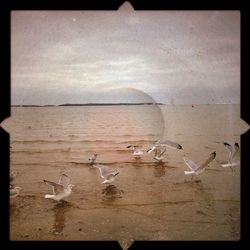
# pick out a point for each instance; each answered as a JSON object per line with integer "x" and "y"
{"x": 137, "y": 141}
{"x": 68, "y": 149}
{"x": 76, "y": 163}
{"x": 128, "y": 135}
{"x": 132, "y": 163}
{"x": 62, "y": 141}
{"x": 71, "y": 142}
{"x": 41, "y": 151}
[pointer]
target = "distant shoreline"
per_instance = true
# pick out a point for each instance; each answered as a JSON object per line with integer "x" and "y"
{"x": 118, "y": 104}
{"x": 88, "y": 104}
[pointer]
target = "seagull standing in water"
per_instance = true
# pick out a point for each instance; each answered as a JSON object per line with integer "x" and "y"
{"x": 232, "y": 150}
{"x": 195, "y": 169}
{"x": 106, "y": 173}
{"x": 14, "y": 192}
{"x": 13, "y": 175}
{"x": 61, "y": 190}
{"x": 137, "y": 152}
{"x": 93, "y": 158}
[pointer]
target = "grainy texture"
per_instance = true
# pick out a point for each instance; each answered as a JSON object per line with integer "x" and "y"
{"x": 148, "y": 200}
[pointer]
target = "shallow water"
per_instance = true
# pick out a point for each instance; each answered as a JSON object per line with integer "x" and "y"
{"x": 148, "y": 200}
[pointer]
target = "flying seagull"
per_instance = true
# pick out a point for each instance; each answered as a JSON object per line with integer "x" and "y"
{"x": 106, "y": 173}
{"x": 232, "y": 150}
{"x": 165, "y": 143}
{"x": 195, "y": 169}
{"x": 61, "y": 190}
{"x": 160, "y": 148}
{"x": 137, "y": 152}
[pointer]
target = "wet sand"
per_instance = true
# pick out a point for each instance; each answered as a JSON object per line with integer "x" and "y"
{"x": 147, "y": 201}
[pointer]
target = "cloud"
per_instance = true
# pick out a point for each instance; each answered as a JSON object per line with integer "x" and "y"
{"x": 160, "y": 53}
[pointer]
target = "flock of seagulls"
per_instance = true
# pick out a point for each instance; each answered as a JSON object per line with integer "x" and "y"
{"x": 63, "y": 188}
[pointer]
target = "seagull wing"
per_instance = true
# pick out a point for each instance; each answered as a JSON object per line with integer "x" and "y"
{"x": 64, "y": 180}
{"x": 170, "y": 144}
{"x": 236, "y": 150}
{"x": 211, "y": 158}
{"x": 229, "y": 149}
{"x": 104, "y": 170}
{"x": 107, "y": 172}
{"x": 112, "y": 174}
{"x": 162, "y": 151}
{"x": 157, "y": 151}
{"x": 151, "y": 149}
{"x": 57, "y": 188}
{"x": 190, "y": 164}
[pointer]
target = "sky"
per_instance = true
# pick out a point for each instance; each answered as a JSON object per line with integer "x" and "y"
{"x": 174, "y": 57}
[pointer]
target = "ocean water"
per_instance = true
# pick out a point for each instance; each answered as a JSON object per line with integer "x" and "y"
{"x": 49, "y": 134}
{"x": 84, "y": 130}
{"x": 161, "y": 201}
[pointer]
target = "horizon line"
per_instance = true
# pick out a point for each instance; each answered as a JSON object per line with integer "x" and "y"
{"x": 119, "y": 103}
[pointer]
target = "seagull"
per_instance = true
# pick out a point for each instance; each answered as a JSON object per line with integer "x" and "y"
{"x": 137, "y": 152}
{"x": 93, "y": 158}
{"x": 160, "y": 148}
{"x": 14, "y": 192}
{"x": 233, "y": 150}
{"x": 166, "y": 143}
{"x": 13, "y": 175}
{"x": 61, "y": 190}
{"x": 195, "y": 169}
{"x": 106, "y": 173}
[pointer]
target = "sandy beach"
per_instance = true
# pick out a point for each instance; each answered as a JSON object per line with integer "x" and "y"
{"x": 148, "y": 200}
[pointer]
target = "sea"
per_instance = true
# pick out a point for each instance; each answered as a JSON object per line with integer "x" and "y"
{"x": 150, "y": 200}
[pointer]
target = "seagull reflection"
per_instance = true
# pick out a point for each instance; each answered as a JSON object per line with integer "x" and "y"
{"x": 111, "y": 193}
{"x": 159, "y": 169}
{"x": 138, "y": 160}
{"x": 60, "y": 210}
{"x": 203, "y": 195}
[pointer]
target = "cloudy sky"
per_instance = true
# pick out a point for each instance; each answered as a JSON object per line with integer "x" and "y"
{"x": 178, "y": 57}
